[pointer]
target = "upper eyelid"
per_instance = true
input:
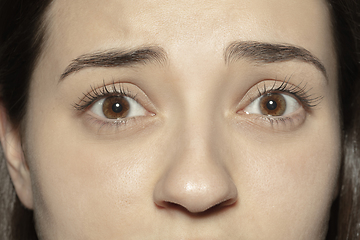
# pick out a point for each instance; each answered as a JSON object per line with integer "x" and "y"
{"x": 100, "y": 92}
{"x": 301, "y": 92}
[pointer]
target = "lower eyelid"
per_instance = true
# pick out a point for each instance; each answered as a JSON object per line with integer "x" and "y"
{"x": 118, "y": 128}
{"x": 103, "y": 126}
{"x": 276, "y": 123}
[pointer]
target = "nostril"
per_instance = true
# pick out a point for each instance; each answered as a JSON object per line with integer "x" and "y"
{"x": 192, "y": 201}
{"x": 215, "y": 208}
{"x": 195, "y": 186}
{"x": 220, "y": 207}
{"x": 171, "y": 205}
{"x": 227, "y": 203}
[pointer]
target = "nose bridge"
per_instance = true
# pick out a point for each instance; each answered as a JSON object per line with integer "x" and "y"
{"x": 199, "y": 135}
{"x": 197, "y": 178}
{"x": 201, "y": 114}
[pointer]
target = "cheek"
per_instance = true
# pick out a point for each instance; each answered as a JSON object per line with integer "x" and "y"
{"x": 82, "y": 184}
{"x": 287, "y": 180}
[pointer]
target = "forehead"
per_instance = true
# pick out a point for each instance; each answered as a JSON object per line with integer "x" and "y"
{"x": 185, "y": 28}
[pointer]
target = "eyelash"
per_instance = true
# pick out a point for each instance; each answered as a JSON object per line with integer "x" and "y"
{"x": 301, "y": 94}
{"x": 101, "y": 92}
{"x": 308, "y": 101}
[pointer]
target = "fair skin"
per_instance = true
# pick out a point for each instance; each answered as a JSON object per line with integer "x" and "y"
{"x": 198, "y": 160}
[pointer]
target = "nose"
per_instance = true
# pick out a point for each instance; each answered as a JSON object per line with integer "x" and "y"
{"x": 196, "y": 181}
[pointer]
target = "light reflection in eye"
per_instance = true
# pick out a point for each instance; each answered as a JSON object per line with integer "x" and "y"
{"x": 273, "y": 104}
{"x": 117, "y": 107}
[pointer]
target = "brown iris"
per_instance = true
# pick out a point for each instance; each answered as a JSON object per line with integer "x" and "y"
{"x": 115, "y": 107}
{"x": 273, "y": 104}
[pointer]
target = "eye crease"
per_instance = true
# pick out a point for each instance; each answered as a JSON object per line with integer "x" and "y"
{"x": 274, "y": 98}
{"x": 118, "y": 103}
{"x": 113, "y": 104}
{"x": 281, "y": 105}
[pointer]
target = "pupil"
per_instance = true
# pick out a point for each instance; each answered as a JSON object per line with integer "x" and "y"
{"x": 271, "y": 105}
{"x": 117, "y": 108}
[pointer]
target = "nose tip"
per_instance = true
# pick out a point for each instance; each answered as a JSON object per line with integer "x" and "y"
{"x": 196, "y": 191}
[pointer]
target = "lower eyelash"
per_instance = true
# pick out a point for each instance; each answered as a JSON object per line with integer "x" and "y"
{"x": 105, "y": 124}
{"x": 278, "y": 120}
{"x": 283, "y": 122}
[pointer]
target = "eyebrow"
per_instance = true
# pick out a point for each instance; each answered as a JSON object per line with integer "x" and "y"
{"x": 116, "y": 58}
{"x": 261, "y": 52}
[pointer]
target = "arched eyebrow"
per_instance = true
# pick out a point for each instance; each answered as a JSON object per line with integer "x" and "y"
{"x": 116, "y": 58}
{"x": 258, "y": 52}
{"x": 261, "y": 52}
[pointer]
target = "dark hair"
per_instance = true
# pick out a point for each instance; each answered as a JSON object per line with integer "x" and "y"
{"x": 345, "y": 218}
{"x": 22, "y": 34}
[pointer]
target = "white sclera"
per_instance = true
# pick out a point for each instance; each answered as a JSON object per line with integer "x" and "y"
{"x": 291, "y": 105}
{"x": 135, "y": 108}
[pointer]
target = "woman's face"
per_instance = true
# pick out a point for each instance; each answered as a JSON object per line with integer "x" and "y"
{"x": 184, "y": 120}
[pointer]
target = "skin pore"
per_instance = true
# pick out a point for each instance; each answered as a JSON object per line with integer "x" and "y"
{"x": 196, "y": 157}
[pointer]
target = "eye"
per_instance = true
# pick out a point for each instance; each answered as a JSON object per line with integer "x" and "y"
{"x": 117, "y": 107}
{"x": 273, "y": 104}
